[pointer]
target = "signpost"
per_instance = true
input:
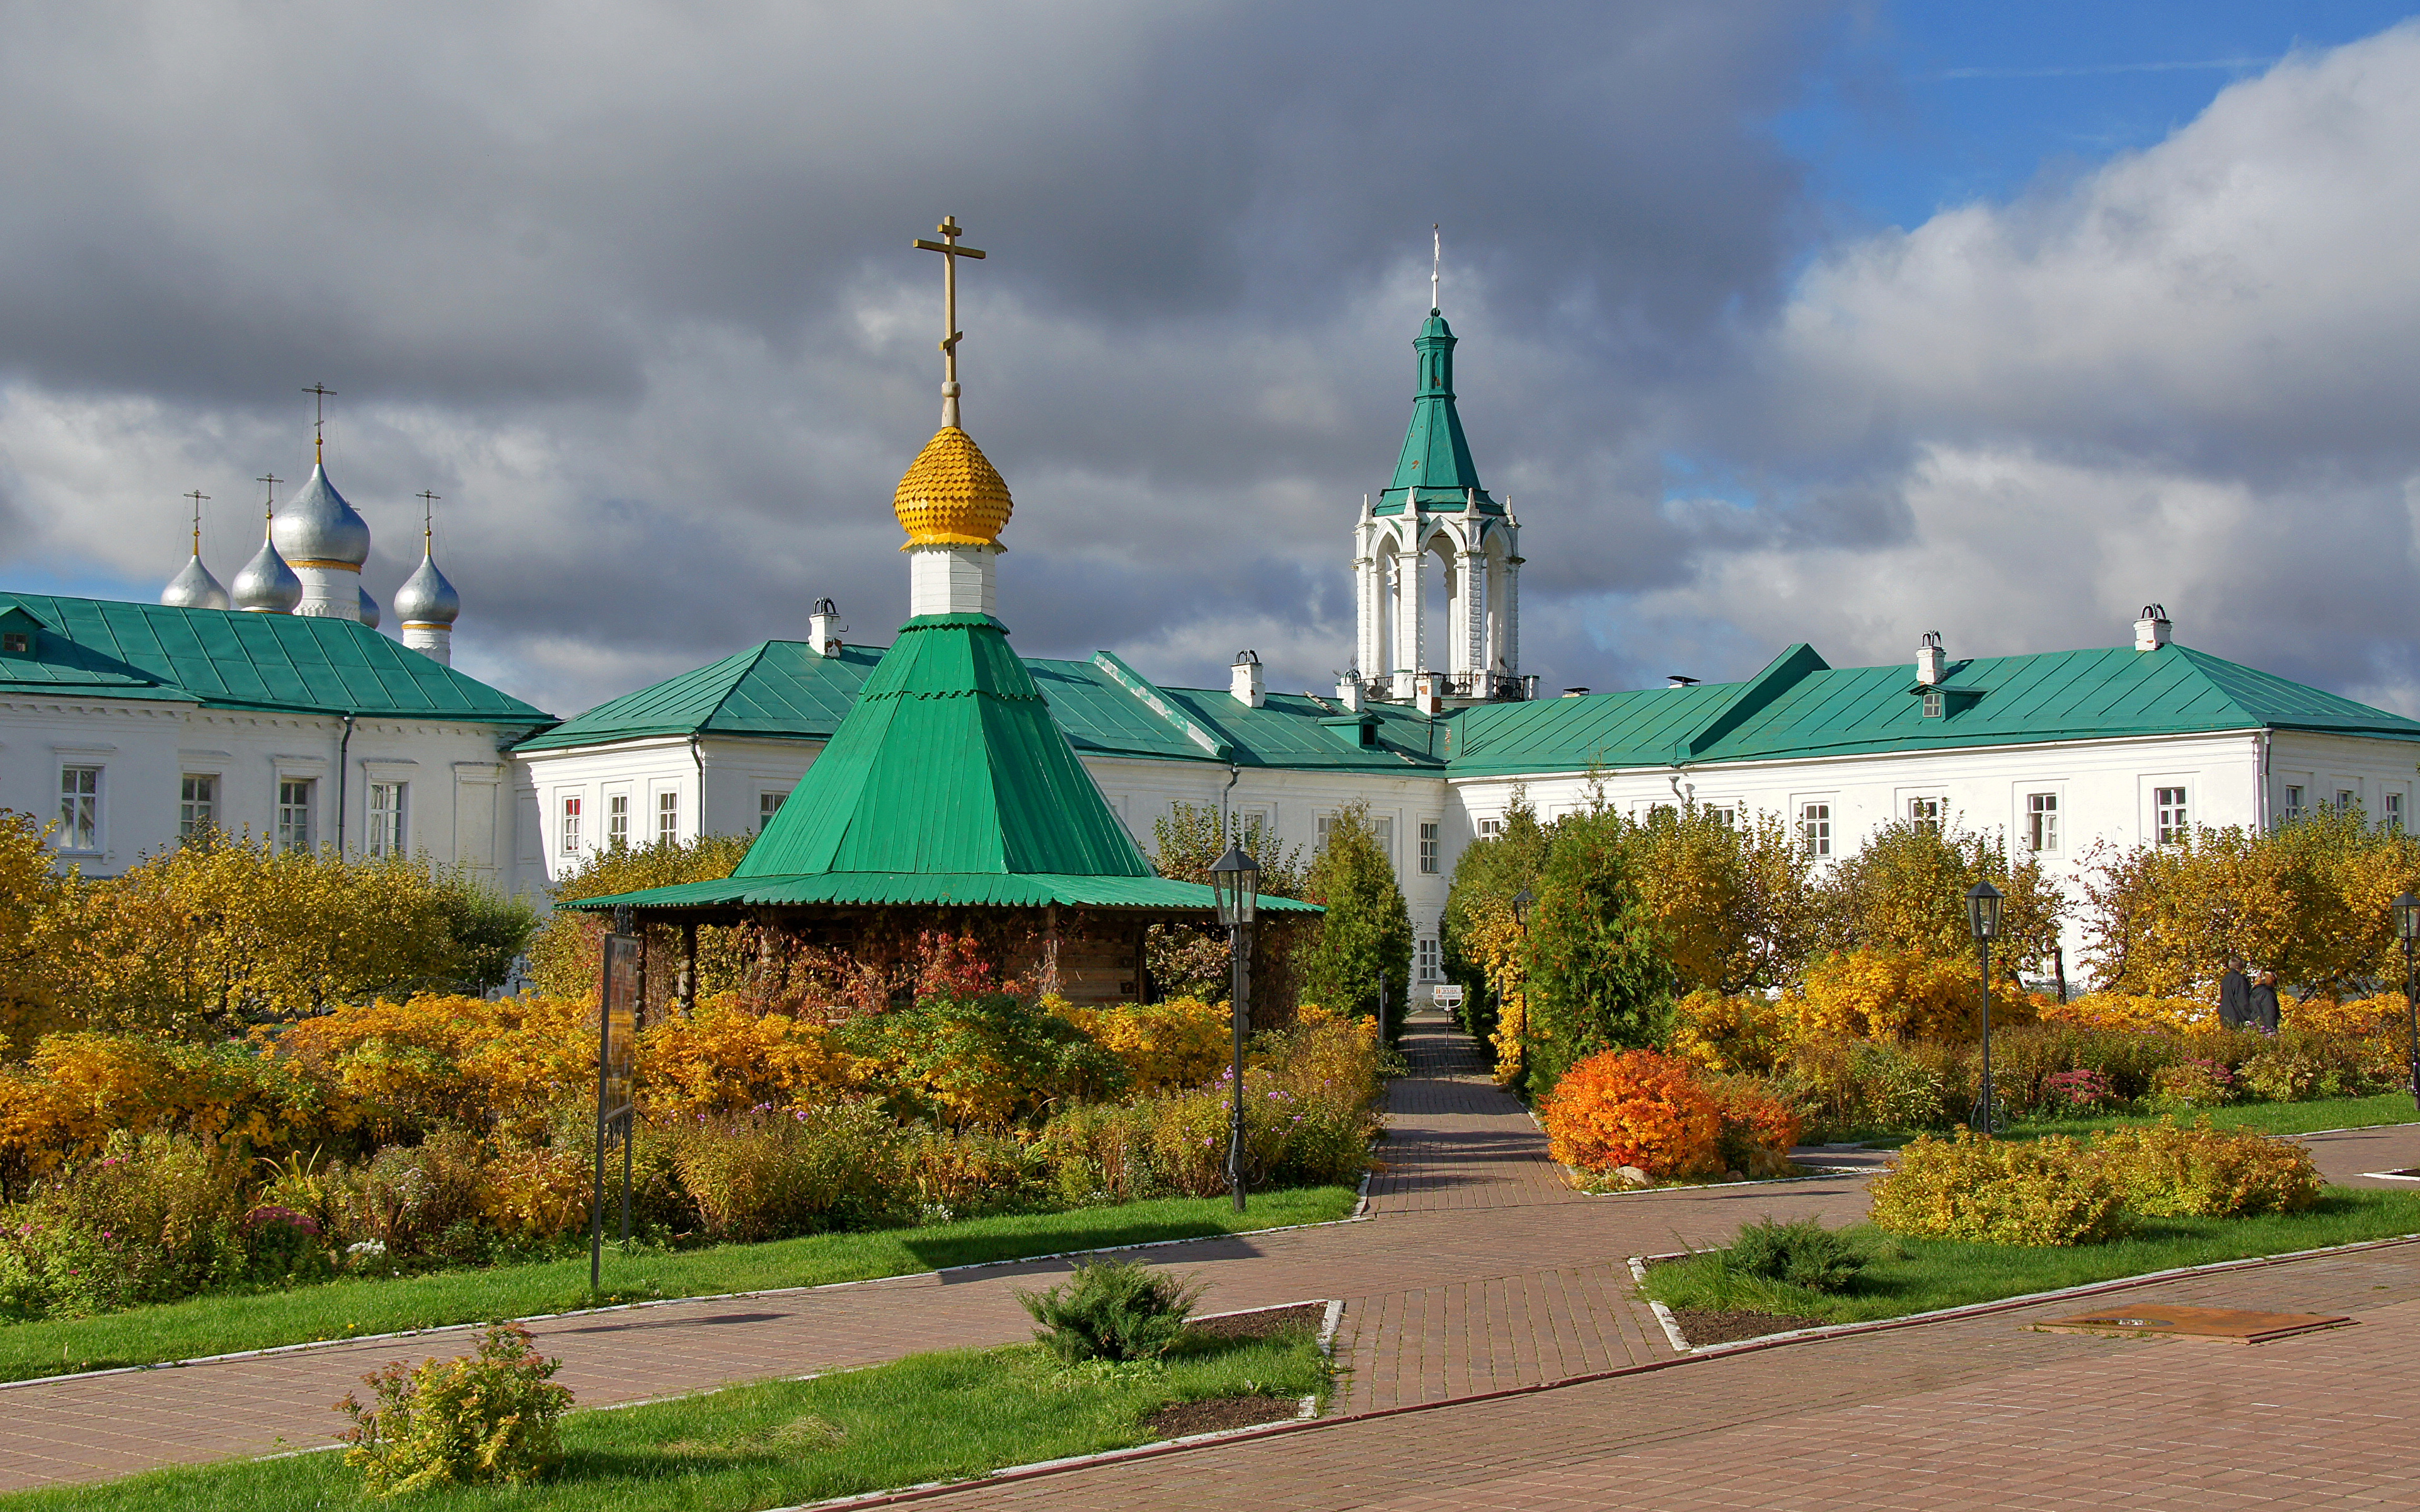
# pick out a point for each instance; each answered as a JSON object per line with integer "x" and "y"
{"x": 617, "y": 1065}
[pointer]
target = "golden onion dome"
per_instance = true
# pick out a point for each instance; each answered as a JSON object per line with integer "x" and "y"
{"x": 952, "y": 495}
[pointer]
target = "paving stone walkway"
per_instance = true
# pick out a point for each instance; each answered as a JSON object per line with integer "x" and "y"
{"x": 1477, "y": 1269}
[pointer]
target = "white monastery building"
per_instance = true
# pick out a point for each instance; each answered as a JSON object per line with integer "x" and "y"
{"x": 279, "y": 707}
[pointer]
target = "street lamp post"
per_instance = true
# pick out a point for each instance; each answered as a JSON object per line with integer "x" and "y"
{"x": 1521, "y": 902}
{"x": 2407, "y": 925}
{"x": 1983, "y": 919}
{"x": 1237, "y": 879}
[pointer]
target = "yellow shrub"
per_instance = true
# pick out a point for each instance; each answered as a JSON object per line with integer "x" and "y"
{"x": 722, "y": 1060}
{"x": 2133, "y": 1011}
{"x": 2364, "y": 1017}
{"x": 1748, "y": 1033}
{"x": 528, "y": 1194}
{"x": 2201, "y": 1172}
{"x": 1512, "y": 1022}
{"x": 1881, "y": 994}
{"x": 2049, "y": 1191}
{"x": 1182, "y": 1043}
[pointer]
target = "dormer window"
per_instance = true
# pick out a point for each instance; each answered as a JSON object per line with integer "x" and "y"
{"x": 16, "y": 642}
{"x": 1931, "y": 704}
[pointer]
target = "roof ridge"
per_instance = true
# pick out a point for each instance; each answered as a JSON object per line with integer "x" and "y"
{"x": 1147, "y": 693}
{"x": 754, "y": 654}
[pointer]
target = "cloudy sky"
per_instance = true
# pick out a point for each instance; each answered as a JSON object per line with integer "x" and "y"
{"x": 1827, "y": 322}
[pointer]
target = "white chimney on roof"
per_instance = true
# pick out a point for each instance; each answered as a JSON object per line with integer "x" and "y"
{"x": 823, "y": 627}
{"x": 2152, "y": 630}
{"x": 1931, "y": 660}
{"x": 1348, "y": 690}
{"x": 1245, "y": 680}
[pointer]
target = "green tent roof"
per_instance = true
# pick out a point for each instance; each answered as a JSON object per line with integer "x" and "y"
{"x": 948, "y": 782}
{"x": 228, "y": 659}
{"x": 1434, "y": 467}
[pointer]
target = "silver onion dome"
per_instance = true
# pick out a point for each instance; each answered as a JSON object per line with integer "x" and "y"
{"x": 317, "y": 528}
{"x": 369, "y": 610}
{"x": 194, "y": 588}
{"x": 426, "y": 597}
{"x": 267, "y": 585}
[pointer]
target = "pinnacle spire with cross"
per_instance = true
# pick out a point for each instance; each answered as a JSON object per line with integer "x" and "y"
{"x": 272, "y": 480}
{"x": 428, "y": 517}
{"x": 948, "y": 231}
{"x": 198, "y": 497}
{"x": 319, "y": 393}
{"x": 1436, "y": 265}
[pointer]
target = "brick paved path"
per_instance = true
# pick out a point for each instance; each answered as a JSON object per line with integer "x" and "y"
{"x": 1971, "y": 1414}
{"x": 1478, "y": 1269}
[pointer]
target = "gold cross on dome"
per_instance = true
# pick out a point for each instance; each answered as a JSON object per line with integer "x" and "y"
{"x": 319, "y": 393}
{"x": 951, "y": 252}
{"x": 197, "y": 495}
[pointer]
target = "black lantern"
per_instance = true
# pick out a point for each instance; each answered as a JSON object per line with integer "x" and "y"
{"x": 2407, "y": 929}
{"x": 1521, "y": 902}
{"x": 2406, "y": 917}
{"x": 1983, "y": 911}
{"x": 1237, "y": 879}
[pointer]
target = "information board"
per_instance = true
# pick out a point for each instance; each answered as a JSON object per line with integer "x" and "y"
{"x": 617, "y": 1029}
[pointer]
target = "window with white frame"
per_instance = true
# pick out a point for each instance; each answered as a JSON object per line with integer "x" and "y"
{"x": 386, "y": 819}
{"x": 1254, "y": 822}
{"x": 1725, "y": 814}
{"x": 294, "y": 800}
{"x": 2346, "y": 800}
{"x": 1490, "y": 829}
{"x": 1932, "y": 705}
{"x": 768, "y": 805}
{"x": 2042, "y": 822}
{"x": 1924, "y": 813}
{"x": 1383, "y": 826}
{"x": 571, "y": 825}
{"x": 198, "y": 805}
{"x": 2169, "y": 817}
{"x": 1427, "y": 847}
{"x": 79, "y": 807}
{"x": 2293, "y": 804}
{"x": 1428, "y": 960}
{"x": 617, "y": 819}
{"x": 667, "y": 818}
{"x": 2394, "y": 816}
{"x": 1815, "y": 828}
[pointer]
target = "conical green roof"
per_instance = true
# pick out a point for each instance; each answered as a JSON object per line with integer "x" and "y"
{"x": 950, "y": 762}
{"x": 1435, "y": 468}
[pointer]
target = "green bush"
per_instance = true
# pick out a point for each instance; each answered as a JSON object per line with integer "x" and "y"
{"x": 1111, "y": 1310}
{"x": 981, "y": 1060}
{"x": 1802, "y": 1252}
{"x": 148, "y": 1219}
{"x": 2001, "y": 1192}
{"x": 494, "y": 1415}
{"x": 772, "y": 1172}
{"x": 2201, "y": 1172}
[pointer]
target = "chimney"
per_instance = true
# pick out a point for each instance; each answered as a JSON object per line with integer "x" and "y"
{"x": 1575, "y": 692}
{"x": 1348, "y": 690}
{"x": 1929, "y": 658}
{"x": 1430, "y": 695}
{"x": 1676, "y": 680}
{"x": 1245, "y": 681}
{"x": 823, "y": 629}
{"x": 2152, "y": 630}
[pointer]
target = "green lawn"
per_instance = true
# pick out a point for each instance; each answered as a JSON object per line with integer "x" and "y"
{"x": 1913, "y": 1275}
{"x": 339, "y": 1309}
{"x": 942, "y": 1416}
{"x": 2268, "y": 1118}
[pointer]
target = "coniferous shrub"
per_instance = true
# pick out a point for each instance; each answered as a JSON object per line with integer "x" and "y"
{"x": 1111, "y": 1310}
{"x": 1802, "y": 1252}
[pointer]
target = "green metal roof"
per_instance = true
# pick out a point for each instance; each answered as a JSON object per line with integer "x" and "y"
{"x": 948, "y": 782}
{"x": 231, "y": 659}
{"x": 1799, "y": 707}
{"x": 1434, "y": 467}
{"x": 781, "y": 689}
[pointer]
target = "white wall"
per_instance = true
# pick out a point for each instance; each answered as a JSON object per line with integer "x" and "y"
{"x": 452, "y": 774}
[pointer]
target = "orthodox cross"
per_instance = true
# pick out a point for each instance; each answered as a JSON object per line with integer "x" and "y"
{"x": 197, "y": 495}
{"x": 319, "y": 393}
{"x": 428, "y": 517}
{"x": 1436, "y": 262}
{"x": 951, "y": 336}
{"x": 272, "y": 480}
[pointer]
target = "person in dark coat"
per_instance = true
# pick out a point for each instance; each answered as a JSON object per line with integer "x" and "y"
{"x": 2234, "y": 996}
{"x": 2263, "y": 1007}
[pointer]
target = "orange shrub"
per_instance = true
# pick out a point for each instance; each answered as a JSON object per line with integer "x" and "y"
{"x": 1635, "y": 1107}
{"x": 1758, "y": 1128}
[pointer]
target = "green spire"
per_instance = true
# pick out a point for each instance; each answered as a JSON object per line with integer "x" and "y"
{"x": 1435, "y": 459}
{"x": 949, "y": 763}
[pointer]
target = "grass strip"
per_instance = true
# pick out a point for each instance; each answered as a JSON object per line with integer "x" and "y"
{"x": 224, "y": 1323}
{"x": 943, "y": 1416}
{"x": 1905, "y": 1275}
{"x": 2268, "y": 1118}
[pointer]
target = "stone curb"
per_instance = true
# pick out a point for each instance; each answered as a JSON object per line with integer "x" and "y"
{"x": 270, "y": 1352}
{"x": 1716, "y": 1352}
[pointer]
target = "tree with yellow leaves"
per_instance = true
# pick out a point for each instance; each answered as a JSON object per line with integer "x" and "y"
{"x": 1737, "y": 903}
{"x": 28, "y": 890}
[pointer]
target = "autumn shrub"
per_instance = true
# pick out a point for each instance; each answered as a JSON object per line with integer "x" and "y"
{"x": 771, "y": 1173}
{"x": 980, "y": 1061}
{"x": 2165, "y": 1171}
{"x": 2199, "y": 1083}
{"x": 2048, "y": 1191}
{"x": 1841, "y": 1088}
{"x": 493, "y": 1415}
{"x": 2133, "y": 1011}
{"x": 1882, "y": 992}
{"x": 1100, "y": 1152}
{"x": 944, "y": 1176}
{"x": 721, "y": 1060}
{"x": 1180, "y": 1042}
{"x": 2082, "y": 1091}
{"x": 149, "y": 1218}
{"x": 1758, "y": 1127}
{"x": 530, "y": 1194}
{"x": 1638, "y": 1108}
{"x": 419, "y": 1202}
{"x": 1749, "y": 1032}
{"x": 285, "y": 1247}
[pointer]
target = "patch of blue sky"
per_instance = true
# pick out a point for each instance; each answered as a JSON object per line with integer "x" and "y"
{"x": 1933, "y": 104}
{"x": 1692, "y": 485}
